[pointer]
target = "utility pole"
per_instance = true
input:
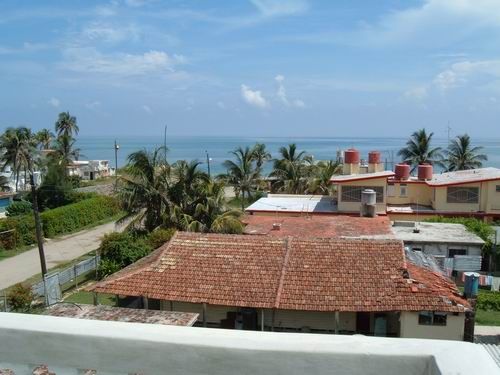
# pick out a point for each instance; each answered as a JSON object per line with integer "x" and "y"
{"x": 117, "y": 147}
{"x": 38, "y": 225}
{"x": 208, "y": 163}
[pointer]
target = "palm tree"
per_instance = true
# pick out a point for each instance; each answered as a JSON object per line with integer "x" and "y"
{"x": 65, "y": 151}
{"x": 260, "y": 155}
{"x": 66, "y": 125}
{"x": 323, "y": 172}
{"x": 44, "y": 138}
{"x": 418, "y": 150}
{"x": 144, "y": 189}
{"x": 241, "y": 173}
{"x": 18, "y": 145}
{"x": 292, "y": 170}
{"x": 460, "y": 154}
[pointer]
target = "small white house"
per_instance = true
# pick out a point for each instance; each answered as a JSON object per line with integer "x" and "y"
{"x": 90, "y": 169}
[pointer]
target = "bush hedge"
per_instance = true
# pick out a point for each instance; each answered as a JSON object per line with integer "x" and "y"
{"x": 488, "y": 300}
{"x": 57, "y": 221}
{"x": 72, "y": 217}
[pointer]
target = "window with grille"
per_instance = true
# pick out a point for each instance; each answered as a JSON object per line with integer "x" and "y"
{"x": 498, "y": 188}
{"x": 462, "y": 195}
{"x": 403, "y": 190}
{"x": 353, "y": 193}
{"x": 429, "y": 318}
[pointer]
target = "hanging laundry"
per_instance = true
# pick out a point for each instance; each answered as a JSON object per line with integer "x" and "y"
{"x": 495, "y": 284}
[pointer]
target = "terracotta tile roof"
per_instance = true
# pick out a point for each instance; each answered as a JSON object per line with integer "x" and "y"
{"x": 316, "y": 274}
{"x": 319, "y": 226}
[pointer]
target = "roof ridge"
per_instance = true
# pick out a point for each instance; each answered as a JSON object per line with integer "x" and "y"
{"x": 284, "y": 267}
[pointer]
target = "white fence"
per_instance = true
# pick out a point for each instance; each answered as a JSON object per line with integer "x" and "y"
{"x": 51, "y": 287}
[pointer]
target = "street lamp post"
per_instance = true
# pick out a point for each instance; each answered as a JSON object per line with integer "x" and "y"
{"x": 117, "y": 147}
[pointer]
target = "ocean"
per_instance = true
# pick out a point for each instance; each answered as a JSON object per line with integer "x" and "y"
{"x": 218, "y": 148}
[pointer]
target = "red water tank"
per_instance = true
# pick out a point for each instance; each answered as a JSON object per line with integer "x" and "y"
{"x": 425, "y": 172}
{"x": 351, "y": 156}
{"x": 374, "y": 157}
{"x": 402, "y": 172}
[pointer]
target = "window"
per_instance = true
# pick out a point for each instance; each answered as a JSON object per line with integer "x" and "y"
{"x": 498, "y": 188}
{"x": 429, "y": 318}
{"x": 390, "y": 190}
{"x": 353, "y": 193}
{"x": 462, "y": 195}
{"x": 453, "y": 252}
{"x": 403, "y": 190}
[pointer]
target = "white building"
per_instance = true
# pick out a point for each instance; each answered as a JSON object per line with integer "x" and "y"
{"x": 90, "y": 169}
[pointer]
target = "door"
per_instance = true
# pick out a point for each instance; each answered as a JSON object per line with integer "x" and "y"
{"x": 363, "y": 323}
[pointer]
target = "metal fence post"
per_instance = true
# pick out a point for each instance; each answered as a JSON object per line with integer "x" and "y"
{"x": 76, "y": 276}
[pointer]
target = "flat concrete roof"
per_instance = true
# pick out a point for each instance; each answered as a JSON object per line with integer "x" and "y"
{"x": 121, "y": 314}
{"x": 462, "y": 177}
{"x": 435, "y": 233}
{"x": 294, "y": 203}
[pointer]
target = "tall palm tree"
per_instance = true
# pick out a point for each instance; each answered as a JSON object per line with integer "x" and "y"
{"x": 18, "y": 145}
{"x": 65, "y": 151}
{"x": 66, "y": 125}
{"x": 260, "y": 155}
{"x": 291, "y": 170}
{"x": 460, "y": 154}
{"x": 186, "y": 180}
{"x": 418, "y": 150}
{"x": 241, "y": 173}
{"x": 44, "y": 138}
{"x": 144, "y": 188}
{"x": 323, "y": 172}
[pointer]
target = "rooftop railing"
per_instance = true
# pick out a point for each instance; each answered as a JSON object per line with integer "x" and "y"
{"x": 68, "y": 346}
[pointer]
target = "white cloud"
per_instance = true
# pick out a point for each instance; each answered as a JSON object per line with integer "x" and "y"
{"x": 464, "y": 72}
{"x": 272, "y": 8}
{"x": 91, "y": 61}
{"x": 54, "y": 102}
{"x": 136, "y": 3}
{"x": 93, "y": 105}
{"x": 254, "y": 98}
{"x": 147, "y": 109}
{"x": 417, "y": 93}
{"x": 99, "y": 31}
{"x": 282, "y": 96}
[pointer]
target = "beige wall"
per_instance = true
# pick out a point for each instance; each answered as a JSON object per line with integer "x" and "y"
{"x": 441, "y": 204}
{"x": 215, "y": 313}
{"x": 315, "y": 320}
{"x": 416, "y": 193}
{"x": 356, "y": 206}
{"x": 454, "y": 329}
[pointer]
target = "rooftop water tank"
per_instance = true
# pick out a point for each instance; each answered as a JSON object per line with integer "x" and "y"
{"x": 351, "y": 156}
{"x": 425, "y": 172}
{"x": 374, "y": 157}
{"x": 368, "y": 203}
{"x": 402, "y": 172}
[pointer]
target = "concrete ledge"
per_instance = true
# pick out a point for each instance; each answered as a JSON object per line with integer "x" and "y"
{"x": 114, "y": 347}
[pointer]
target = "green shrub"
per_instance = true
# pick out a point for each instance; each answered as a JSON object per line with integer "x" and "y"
{"x": 159, "y": 236}
{"x": 17, "y": 231}
{"x": 17, "y": 208}
{"x": 487, "y": 300}
{"x": 20, "y": 298}
{"x": 118, "y": 250}
{"x": 75, "y": 216}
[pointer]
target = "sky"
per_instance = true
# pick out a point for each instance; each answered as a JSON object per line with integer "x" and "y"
{"x": 253, "y": 67}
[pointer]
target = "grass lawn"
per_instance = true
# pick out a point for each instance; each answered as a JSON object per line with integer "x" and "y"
{"x": 87, "y": 298}
{"x": 487, "y": 318}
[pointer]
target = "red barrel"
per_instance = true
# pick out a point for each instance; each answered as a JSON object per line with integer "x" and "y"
{"x": 425, "y": 172}
{"x": 374, "y": 157}
{"x": 351, "y": 156}
{"x": 402, "y": 172}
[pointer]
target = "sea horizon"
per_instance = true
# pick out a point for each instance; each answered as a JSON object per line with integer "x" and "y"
{"x": 184, "y": 147}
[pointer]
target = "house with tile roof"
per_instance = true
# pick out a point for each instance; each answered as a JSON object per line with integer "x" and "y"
{"x": 295, "y": 285}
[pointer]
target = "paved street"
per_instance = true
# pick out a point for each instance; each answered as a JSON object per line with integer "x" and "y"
{"x": 57, "y": 251}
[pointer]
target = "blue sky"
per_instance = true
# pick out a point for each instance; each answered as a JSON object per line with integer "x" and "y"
{"x": 253, "y": 67}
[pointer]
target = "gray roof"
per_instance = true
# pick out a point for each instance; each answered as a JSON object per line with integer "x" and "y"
{"x": 361, "y": 176}
{"x": 435, "y": 233}
{"x": 294, "y": 203}
{"x": 462, "y": 177}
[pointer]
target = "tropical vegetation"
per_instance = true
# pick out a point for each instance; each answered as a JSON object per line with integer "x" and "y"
{"x": 461, "y": 155}
{"x": 418, "y": 150}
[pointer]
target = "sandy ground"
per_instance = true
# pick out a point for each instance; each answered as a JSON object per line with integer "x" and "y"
{"x": 61, "y": 250}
